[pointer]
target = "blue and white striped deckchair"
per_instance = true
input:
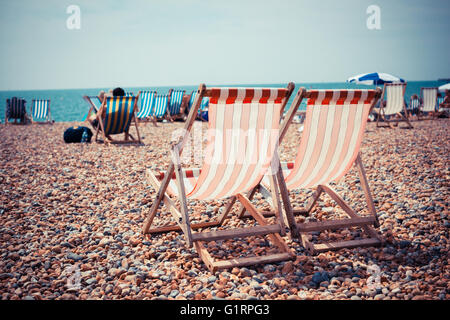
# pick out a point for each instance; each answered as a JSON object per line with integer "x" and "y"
{"x": 414, "y": 104}
{"x": 40, "y": 109}
{"x": 15, "y": 109}
{"x": 203, "y": 109}
{"x": 203, "y": 106}
{"x": 160, "y": 107}
{"x": 146, "y": 105}
{"x": 176, "y": 98}
{"x": 118, "y": 113}
{"x": 129, "y": 94}
{"x": 191, "y": 100}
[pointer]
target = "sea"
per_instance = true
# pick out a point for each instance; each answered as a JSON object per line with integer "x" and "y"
{"x": 67, "y": 105}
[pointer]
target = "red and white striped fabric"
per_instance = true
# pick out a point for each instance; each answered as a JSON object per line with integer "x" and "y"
{"x": 429, "y": 98}
{"x": 242, "y": 137}
{"x": 190, "y": 177}
{"x": 333, "y": 131}
{"x": 395, "y": 93}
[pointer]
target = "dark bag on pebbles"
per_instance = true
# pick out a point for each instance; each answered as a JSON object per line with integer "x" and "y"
{"x": 75, "y": 134}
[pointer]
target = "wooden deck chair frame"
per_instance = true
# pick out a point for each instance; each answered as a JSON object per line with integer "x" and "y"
{"x": 433, "y": 114}
{"x": 23, "y": 120}
{"x": 151, "y": 118}
{"x": 106, "y": 138}
{"x": 401, "y": 117}
{"x": 181, "y": 215}
{"x": 301, "y": 230}
{"x": 48, "y": 118}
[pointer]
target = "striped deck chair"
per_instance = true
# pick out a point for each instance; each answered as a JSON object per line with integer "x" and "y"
{"x": 245, "y": 122}
{"x": 333, "y": 130}
{"x": 192, "y": 99}
{"x": 395, "y": 105}
{"x": 414, "y": 104}
{"x": 40, "y": 109}
{"x": 129, "y": 94}
{"x": 203, "y": 106}
{"x": 429, "y": 102}
{"x": 161, "y": 107}
{"x": 115, "y": 116}
{"x": 16, "y": 110}
{"x": 175, "y": 101}
{"x": 145, "y": 113}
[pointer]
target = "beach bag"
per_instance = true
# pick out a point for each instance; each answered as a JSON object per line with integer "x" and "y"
{"x": 204, "y": 115}
{"x": 77, "y": 134}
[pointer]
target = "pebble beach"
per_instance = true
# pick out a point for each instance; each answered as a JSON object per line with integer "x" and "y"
{"x": 71, "y": 218}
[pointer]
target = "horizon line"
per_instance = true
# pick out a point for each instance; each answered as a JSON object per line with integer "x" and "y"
{"x": 191, "y": 85}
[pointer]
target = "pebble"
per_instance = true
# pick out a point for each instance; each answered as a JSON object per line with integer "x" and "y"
{"x": 73, "y": 256}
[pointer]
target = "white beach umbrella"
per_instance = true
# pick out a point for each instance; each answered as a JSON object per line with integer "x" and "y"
{"x": 444, "y": 87}
{"x": 374, "y": 78}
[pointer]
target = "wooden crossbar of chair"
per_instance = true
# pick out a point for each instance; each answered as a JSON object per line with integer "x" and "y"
{"x": 181, "y": 214}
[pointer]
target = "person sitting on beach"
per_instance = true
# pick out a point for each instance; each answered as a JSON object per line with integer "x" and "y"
{"x": 446, "y": 102}
{"x": 117, "y": 92}
{"x": 101, "y": 95}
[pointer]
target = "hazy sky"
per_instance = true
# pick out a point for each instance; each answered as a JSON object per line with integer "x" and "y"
{"x": 186, "y": 42}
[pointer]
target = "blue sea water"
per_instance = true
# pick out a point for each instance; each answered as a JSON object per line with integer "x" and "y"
{"x": 68, "y": 104}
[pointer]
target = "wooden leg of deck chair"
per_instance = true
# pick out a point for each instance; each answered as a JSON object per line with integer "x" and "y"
{"x": 275, "y": 238}
{"x": 158, "y": 199}
{"x": 182, "y": 196}
{"x": 354, "y": 221}
{"x": 107, "y": 139}
{"x": 137, "y": 129}
{"x": 153, "y": 120}
{"x": 250, "y": 195}
{"x": 336, "y": 197}
{"x": 410, "y": 126}
{"x": 174, "y": 210}
{"x": 405, "y": 111}
{"x": 366, "y": 189}
{"x": 277, "y": 204}
{"x": 226, "y": 211}
{"x": 96, "y": 133}
{"x": 272, "y": 231}
{"x": 289, "y": 212}
{"x": 177, "y": 215}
